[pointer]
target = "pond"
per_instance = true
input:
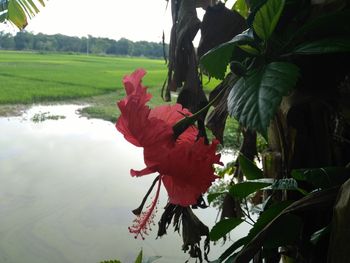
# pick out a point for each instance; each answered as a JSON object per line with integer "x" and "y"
{"x": 66, "y": 194}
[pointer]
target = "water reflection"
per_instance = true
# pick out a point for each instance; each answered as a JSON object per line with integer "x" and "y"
{"x": 66, "y": 193}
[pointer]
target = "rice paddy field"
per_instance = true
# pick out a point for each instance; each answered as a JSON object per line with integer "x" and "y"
{"x": 27, "y": 77}
{"x": 32, "y": 78}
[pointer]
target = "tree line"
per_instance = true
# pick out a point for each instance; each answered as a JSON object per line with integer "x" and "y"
{"x": 24, "y": 40}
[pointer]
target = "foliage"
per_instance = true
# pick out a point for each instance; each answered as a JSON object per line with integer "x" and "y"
{"x": 267, "y": 59}
{"x": 24, "y": 40}
{"x": 18, "y": 11}
{"x": 260, "y": 67}
{"x": 268, "y": 85}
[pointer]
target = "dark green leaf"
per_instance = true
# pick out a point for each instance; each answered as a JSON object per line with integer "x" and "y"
{"x": 324, "y": 46}
{"x": 318, "y": 235}
{"x": 255, "y": 98}
{"x": 216, "y": 60}
{"x": 139, "y": 258}
{"x": 238, "y": 68}
{"x": 323, "y": 178}
{"x": 246, "y": 188}
{"x": 267, "y": 17}
{"x": 212, "y": 197}
{"x": 249, "y": 169}
{"x": 232, "y": 258}
{"x": 323, "y": 199}
{"x": 266, "y": 217}
{"x": 228, "y": 252}
{"x": 336, "y": 23}
{"x": 284, "y": 231}
{"x": 223, "y": 227}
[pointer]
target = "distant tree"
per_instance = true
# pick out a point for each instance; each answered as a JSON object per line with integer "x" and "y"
{"x": 23, "y": 40}
{"x": 6, "y": 41}
{"x": 124, "y": 46}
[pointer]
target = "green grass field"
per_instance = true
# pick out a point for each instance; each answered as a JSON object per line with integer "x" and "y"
{"x": 27, "y": 78}
{"x": 33, "y": 77}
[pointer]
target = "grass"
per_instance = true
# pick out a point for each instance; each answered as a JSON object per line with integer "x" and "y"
{"x": 28, "y": 77}
{"x": 32, "y": 77}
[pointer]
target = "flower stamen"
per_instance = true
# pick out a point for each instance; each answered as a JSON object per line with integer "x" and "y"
{"x": 144, "y": 220}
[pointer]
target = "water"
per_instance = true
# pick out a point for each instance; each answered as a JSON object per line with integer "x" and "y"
{"x": 66, "y": 193}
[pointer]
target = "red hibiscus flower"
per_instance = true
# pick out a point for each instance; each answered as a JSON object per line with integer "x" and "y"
{"x": 185, "y": 164}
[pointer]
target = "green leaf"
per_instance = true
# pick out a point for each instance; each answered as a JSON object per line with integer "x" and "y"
{"x": 318, "y": 235}
{"x": 267, "y": 216}
{"x": 241, "y": 7}
{"x": 16, "y": 14}
{"x": 228, "y": 252}
{"x": 27, "y": 8}
{"x": 334, "y": 23}
{"x": 267, "y": 17}
{"x": 33, "y": 5}
{"x": 324, "y": 46}
{"x": 323, "y": 178}
{"x": 284, "y": 231}
{"x": 139, "y": 258}
{"x": 215, "y": 61}
{"x": 255, "y": 98}
{"x": 243, "y": 189}
{"x": 223, "y": 227}
{"x": 249, "y": 169}
{"x": 249, "y": 49}
{"x": 42, "y": 2}
{"x": 212, "y": 197}
{"x": 18, "y": 11}
{"x": 286, "y": 184}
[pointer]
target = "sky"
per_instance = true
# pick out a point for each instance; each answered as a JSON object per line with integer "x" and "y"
{"x": 132, "y": 19}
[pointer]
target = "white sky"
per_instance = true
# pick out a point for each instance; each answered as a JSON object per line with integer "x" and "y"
{"x": 132, "y": 19}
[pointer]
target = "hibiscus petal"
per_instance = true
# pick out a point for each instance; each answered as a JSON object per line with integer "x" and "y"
{"x": 186, "y": 164}
{"x": 147, "y": 170}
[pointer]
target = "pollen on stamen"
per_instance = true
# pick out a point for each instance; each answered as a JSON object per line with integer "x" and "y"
{"x": 142, "y": 223}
